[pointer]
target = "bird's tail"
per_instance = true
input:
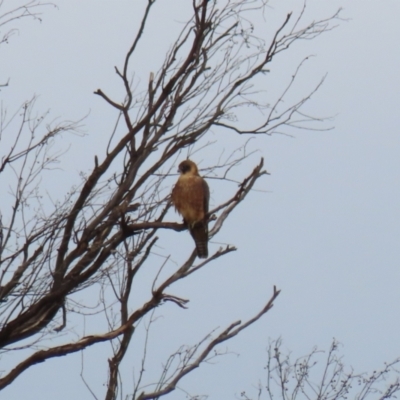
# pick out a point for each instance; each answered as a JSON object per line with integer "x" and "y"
{"x": 199, "y": 232}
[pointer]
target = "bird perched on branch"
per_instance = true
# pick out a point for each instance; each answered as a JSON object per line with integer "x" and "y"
{"x": 190, "y": 197}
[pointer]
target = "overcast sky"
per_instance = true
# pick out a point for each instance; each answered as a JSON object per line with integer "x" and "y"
{"x": 325, "y": 229}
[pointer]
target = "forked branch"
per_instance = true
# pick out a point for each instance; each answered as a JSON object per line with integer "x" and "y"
{"x": 231, "y": 331}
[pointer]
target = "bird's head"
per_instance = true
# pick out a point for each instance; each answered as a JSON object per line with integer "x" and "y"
{"x": 188, "y": 167}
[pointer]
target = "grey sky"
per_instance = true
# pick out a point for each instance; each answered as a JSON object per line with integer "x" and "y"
{"x": 326, "y": 228}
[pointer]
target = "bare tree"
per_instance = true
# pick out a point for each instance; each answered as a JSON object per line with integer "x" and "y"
{"x": 101, "y": 235}
{"x": 323, "y": 375}
{"x": 14, "y": 14}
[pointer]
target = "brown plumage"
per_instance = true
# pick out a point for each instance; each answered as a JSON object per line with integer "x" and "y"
{"x": 190, "y": 196}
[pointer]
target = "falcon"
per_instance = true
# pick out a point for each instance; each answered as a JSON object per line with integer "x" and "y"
{"x": 190, "y": 197}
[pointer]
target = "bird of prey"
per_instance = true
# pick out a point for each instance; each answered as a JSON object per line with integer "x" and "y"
{"x": 190, "y": 197}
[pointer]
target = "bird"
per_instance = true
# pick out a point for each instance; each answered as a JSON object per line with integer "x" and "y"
{"x": 190, "y": 197}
